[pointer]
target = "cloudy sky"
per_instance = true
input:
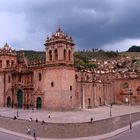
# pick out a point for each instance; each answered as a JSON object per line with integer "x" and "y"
{"x": 105, "y": 24}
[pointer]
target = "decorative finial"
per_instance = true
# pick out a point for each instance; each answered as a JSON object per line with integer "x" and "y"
{"x": 47, "y": 37}
{"x": 59, "y": 29}
{"x": 6, "y": 44}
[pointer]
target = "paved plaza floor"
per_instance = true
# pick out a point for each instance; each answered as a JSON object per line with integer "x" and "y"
{"x": 70, "y": 116}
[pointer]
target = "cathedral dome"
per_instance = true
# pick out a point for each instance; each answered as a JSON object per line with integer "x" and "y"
{"x": 59, "y": 36}
{"x": 7, "y": 49}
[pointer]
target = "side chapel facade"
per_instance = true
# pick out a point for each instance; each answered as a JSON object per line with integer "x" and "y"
{"x": 55, "y": 83}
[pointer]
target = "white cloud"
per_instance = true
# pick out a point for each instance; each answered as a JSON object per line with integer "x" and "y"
{"x": 94, "y": 23}
{"x": 12, "y": 27}
{"x": 123, "y": 45}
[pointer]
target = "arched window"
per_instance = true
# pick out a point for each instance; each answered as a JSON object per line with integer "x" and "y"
{"x": 12, "y": 63}
{"x": 0, "y": 63}
{"x": 39, "y": 76}
{"x": 125, "y": 85}
{"x": 65, "y": 54}
{"x": 69, "y": 55}
{"x": 9, "y": 79}
{"x": 7, "y": 63}
{"x": 50, "y": 55}
{"x": 56, "y": 54}
{"x": 76, "y": 76}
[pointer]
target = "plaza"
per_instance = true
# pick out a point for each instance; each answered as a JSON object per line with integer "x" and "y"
{"x": 68, "y": 117}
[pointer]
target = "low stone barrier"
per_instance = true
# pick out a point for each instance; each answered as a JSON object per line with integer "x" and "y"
{"x": 68, "y": 130}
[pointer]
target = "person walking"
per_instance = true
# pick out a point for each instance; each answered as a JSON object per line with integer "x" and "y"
{"x": 34, "y": 134}
{"x": 49, "y": 115}
{"x": 29, "y": 131}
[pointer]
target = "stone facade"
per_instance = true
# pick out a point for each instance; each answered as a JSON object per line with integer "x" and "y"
{"x": 56, "y": 84}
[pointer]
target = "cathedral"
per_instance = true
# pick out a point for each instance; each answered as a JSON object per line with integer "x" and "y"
{"x": 55, "y": 83}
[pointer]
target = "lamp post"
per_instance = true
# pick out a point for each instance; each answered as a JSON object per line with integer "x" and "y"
{"x": 130, "y": 117}
{"x": 17, "y": 110}
{"x": 110, "y": 110}
{"x": 104, "y": 93}
{"x": 109, "y": 85}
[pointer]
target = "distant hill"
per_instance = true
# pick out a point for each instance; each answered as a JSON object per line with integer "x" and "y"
{"x": 82, "y": 59}
{"x": 30, "y": 54}
{"x": 134, "y": 49}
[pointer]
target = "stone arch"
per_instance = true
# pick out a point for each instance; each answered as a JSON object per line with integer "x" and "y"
{"x": 19, "y": 98}
{"x": 12, "y": 63}
{"x": 125, "y": 85}
{"x": 65, "y": 54}
{"x": 7, "y": 63}
{"x": 0, "y": 63}
{"x": 39, "y": 76}
{"x": 69, "y": 55}
{"x": 50, "y": 55}
{"x": 56, "y": 54}
{"x": 38, "y": 103}
{"x": 9, "y": 101}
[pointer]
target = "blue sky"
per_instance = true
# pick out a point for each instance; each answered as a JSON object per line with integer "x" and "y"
{"x": 105, "y": 24}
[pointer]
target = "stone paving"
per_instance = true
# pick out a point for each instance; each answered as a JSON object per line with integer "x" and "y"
{"x": 70, "y": 116}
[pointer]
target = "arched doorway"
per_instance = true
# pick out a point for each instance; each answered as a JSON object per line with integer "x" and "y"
{"x": 38, "y": 103}
{"x": 19, "y": 98}
{"x": 8, "y": 101}
{"x": 89, "y": 103}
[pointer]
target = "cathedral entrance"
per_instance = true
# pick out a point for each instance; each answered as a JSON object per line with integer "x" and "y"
{"x": 19, "y": 98}
{"x": 8, "y": 102}
{"x": 38, "y": 103}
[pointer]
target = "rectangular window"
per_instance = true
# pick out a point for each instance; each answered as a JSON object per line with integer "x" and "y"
{"x": 70, "y": 88}
{"x": 39, "y": 76}
{"x": 52, "y": 84}
{"x": 9, "y": 79}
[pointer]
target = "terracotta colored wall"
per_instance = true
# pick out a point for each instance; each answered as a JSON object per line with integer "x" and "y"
{"x": 58, "y": 96}
{"x": 1, "y": 89}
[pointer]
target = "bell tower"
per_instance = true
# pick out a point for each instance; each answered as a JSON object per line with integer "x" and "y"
{"x": 60, "y": 74}
{"x": 59, "y": 49}
{"x": 7, "y": 57}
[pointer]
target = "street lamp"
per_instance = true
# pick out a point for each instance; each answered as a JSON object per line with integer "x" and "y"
{"x": 104, "y": 93}
{"x": 17, "y": 111}
{"x": 130, "y": 117}
{"x": 110, "y": 110}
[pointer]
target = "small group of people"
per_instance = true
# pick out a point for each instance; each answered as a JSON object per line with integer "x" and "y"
{"x": 34, "y": 133}
{"x": 43, "y": 122}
